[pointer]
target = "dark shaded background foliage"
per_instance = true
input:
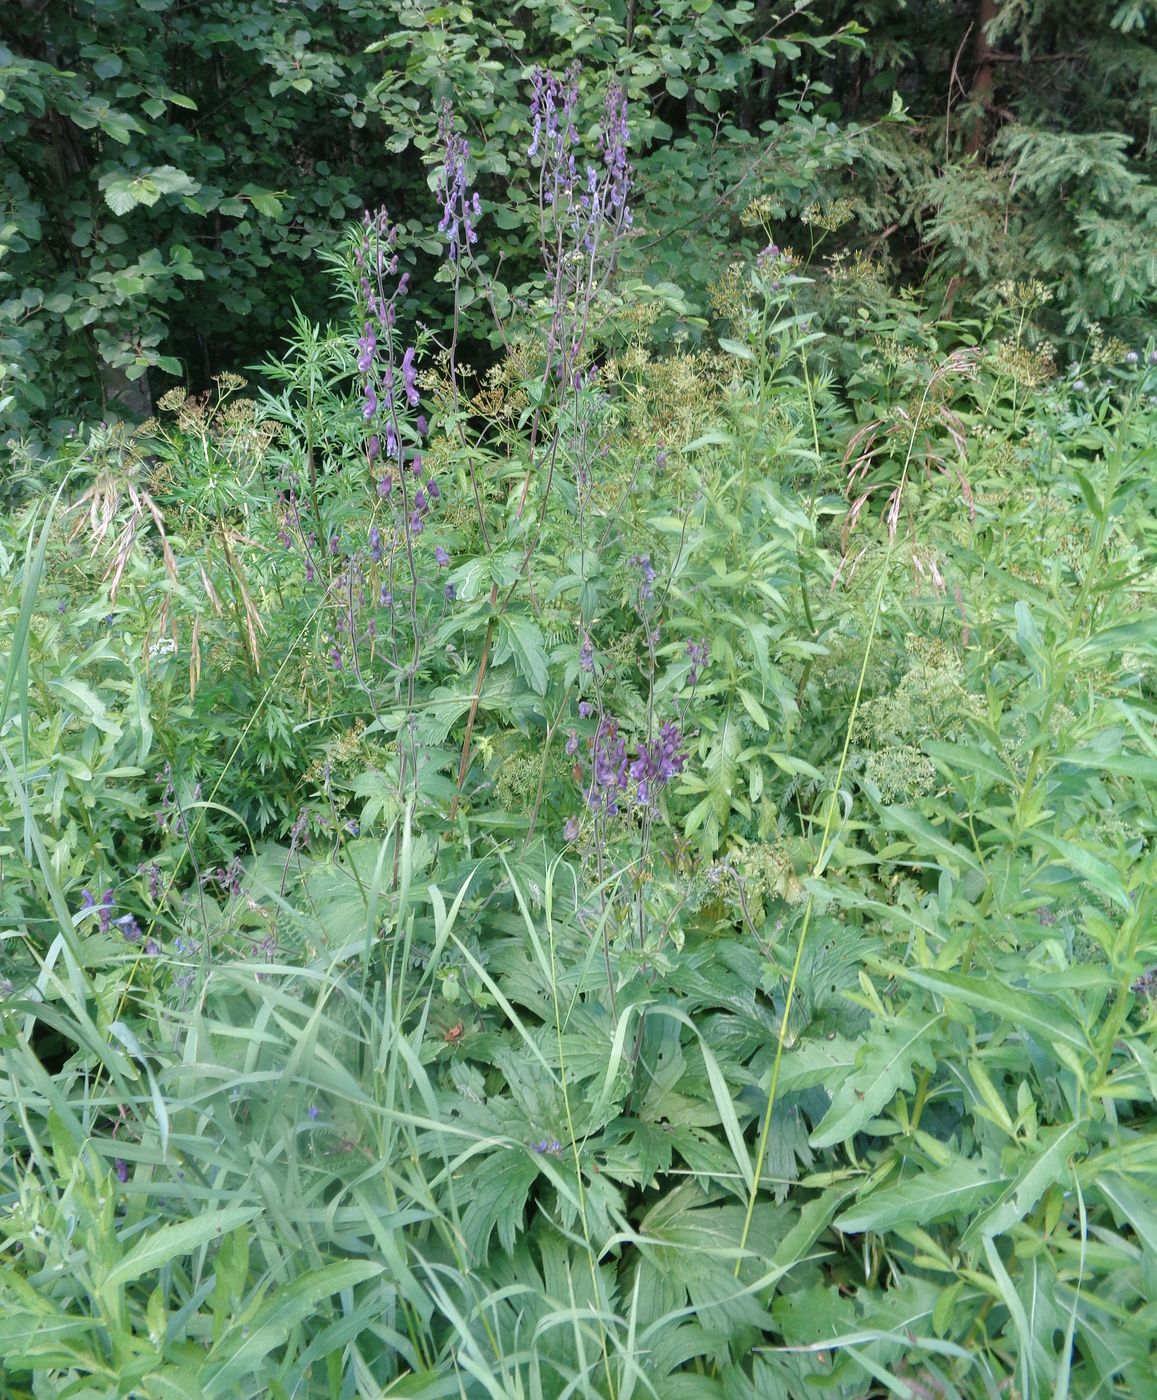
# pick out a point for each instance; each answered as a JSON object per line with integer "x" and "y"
{"x": 170, "y": 170}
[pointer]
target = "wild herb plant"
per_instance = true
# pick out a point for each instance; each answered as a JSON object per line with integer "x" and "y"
{"x": 621, "y": 871}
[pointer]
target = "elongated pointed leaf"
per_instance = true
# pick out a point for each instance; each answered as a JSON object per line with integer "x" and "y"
{"x": 886, "y": 1066}
{"x": 928, "y": 1196}
{"x": 248, "y": 1343}
{"x": 172, "y": 1241}
{"x": 1047, "y": 1166}
{"x": 1042, "y": 1015}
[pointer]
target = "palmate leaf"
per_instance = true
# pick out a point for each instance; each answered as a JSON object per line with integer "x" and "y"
{"x": 500, "y": 1190}
{"x": 885, "y": 1065}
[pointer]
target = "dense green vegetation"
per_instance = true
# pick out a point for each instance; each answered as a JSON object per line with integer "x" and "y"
{"x": 590, "y": 829}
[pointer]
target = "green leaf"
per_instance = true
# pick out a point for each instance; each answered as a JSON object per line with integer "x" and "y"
{"x": 929, "y": 844}
{"x": 929, "y": 1195}
{"x": 885, "y": 1065}
{"x": 1097, "y": 873}
{"x": 1044, "y": 1016}
{"x": 1047, "y": 1166}
{"x": 498, "y": 1200}
{"x": 167, "y": 1242}
{"x": 521, "y": 637}
{"x": 247, "y": 1344}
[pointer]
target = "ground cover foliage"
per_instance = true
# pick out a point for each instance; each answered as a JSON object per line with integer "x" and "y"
{"x": 624, "y": 871}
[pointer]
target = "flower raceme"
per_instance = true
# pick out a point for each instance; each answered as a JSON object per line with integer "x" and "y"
{"x": 656, "y": 762}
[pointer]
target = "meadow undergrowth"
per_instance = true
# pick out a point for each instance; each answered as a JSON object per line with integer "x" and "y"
{"x": 612, "y": 872}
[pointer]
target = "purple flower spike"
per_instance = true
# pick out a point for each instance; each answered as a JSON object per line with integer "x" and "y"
{"x": 410, "y": 378}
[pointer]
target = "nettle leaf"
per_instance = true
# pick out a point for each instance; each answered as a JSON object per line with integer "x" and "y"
{"x": 885, "y": 1065}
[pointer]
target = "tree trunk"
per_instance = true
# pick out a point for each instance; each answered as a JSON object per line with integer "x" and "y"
{"x": 983, "y": 75}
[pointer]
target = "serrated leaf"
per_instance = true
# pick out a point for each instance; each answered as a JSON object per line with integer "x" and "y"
{"x": 172, "y": 1241}
{"x": 925, "y": 1197}
{"x": 817, "y": 1063}
{"x": 885, "y": 1066}
{"x": 500, "y": 1190}
{"x": 521, "y": 637}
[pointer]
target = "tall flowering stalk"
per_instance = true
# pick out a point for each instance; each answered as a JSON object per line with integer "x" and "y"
{"x": 389, "y": 397}
{"x": 583, "y": 216}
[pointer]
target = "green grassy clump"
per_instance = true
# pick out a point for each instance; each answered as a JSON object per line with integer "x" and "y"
{"x": 374, "y": 1024}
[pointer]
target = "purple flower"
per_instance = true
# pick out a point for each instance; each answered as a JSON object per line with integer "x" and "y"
{"x": 1132, "y": 357}
{"x": 375, "y": 544}
{"x": 420, "y": 502}
{"x": 441, "y": 557}
{"x": 699, "y": 652}
{"x": 335, "y": 657}
{"x": 610, "y": 771}
{"x": 586, "y": 709}
{"x": 121, "y": 1168}
{"x": 572, "y": 742}
{"x": 86, "y": 901}
{"x": 371, "y": 403}
{"x": 312, "y": 1112}
{"x": 385, "y": 597}
{"x": 587, "y": 655}
{"x": 449, "y": 592}
{"x": 373, "y": 447}
{"x": 433, "y": 488}
{"x": 422, "y": 425}
{"x": 385, "y": 486}
{"x": 647, "y": 591}
{"x": 416, "y": 524}
{"x": 367, "y": 346}
{"x": 130, "y": 929}
{"x": 334, "y": 544}
{"x": 570, "y": 829}
{"x": 656, "y": 763}
{"x": 410, "y": 378}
